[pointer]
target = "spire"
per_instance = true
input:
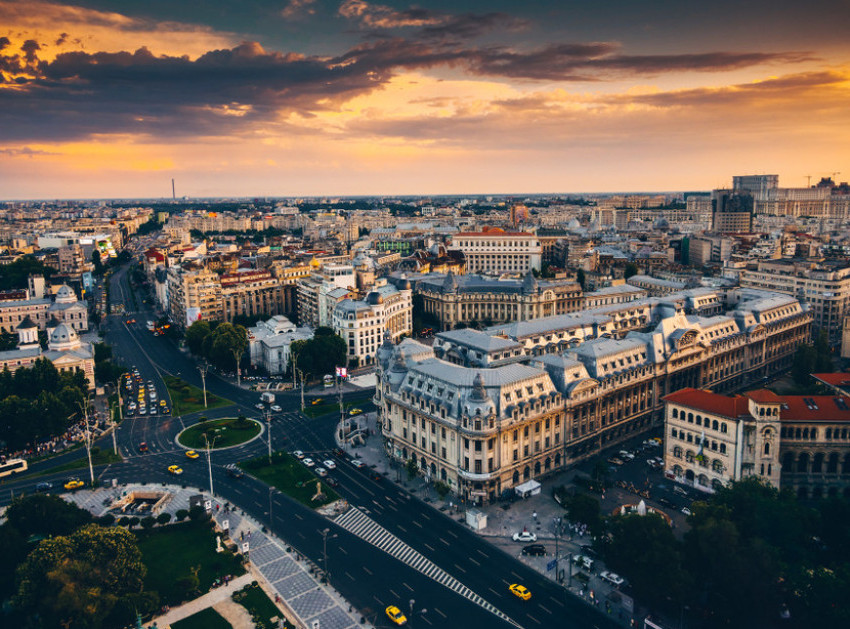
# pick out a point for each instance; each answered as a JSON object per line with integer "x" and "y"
{"x": 450, "y": 283}
{"x": 529, "y": 284}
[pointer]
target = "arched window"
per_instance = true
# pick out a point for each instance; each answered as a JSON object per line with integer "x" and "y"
{"x": 832, "y": 463}
{"x": 714, "y": 425}
{"x": 722, "y": 448}
{"x": 717, "y": 466}
{"x": 723, "y": 427}
{"x": 675, "y": 413}
{"x": 677, "y": 452}
{"x": 803, "y": 463}
{"x": 767, "y": 448}
{"x": 690, "y": 418}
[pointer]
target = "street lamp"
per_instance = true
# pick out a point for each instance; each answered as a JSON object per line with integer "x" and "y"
{"x": 269, "y": 430}
{"x": 209, "y": 459}
{"x": 120, "y": 413}
{"x": 85, "y": 409}
{"x": 324, "y": 533}
{"x": 202, "y": 369}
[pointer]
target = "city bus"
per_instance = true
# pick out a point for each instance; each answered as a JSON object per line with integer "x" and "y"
{"x": 12, "y": 466}
{"x": 329, "y": 381}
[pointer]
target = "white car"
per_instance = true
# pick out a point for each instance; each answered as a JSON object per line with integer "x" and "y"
{"x": 321, "y": 471}
{"x": 259, "y": 406}
{"x": 525, "y": 536}
{"x": 143, "y": 411}
{"x": 329, "y": 464}
{"x": 686, "y": 511}
{"x": 276, "y": 408}
{"x": 308, "y": 462}
{"x": 298, "y": 454}
{"x": 628, "y": 456}
{"x": 612, "y": 577}
{"x": 357, "y": 463}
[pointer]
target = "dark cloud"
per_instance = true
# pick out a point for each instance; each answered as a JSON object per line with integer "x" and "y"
{"x": 24, "y": 151}
{"x": 62, "y": 39}
{"x": 30, "y": 49}
{"x": 4, "y": 42}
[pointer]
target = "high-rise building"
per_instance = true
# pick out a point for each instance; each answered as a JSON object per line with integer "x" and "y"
{"x": 732, "y": 212}
{"x": 495, "y": 251}
{"x": 757, "y": 186}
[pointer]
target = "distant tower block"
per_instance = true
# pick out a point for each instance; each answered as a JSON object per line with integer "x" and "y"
{"x": 36, "y": 286}
{"x": 173, "y": 194}
{"x": 519, "y": 214}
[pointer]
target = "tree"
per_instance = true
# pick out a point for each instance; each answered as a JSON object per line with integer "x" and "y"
{"x": 584, "y": 509}
{"x": 643, "y": 549}
{"x": 580, "y": 278}
{"x": 631, "y": 269}
{"x": 321, "y": 354}
{"x": 76, "y": 580}
{"x": 98, "y": 265}
{"x": 412, "y": 468}
{"x": 148, "y": 522}
{"x": 227, "y": 344}
{"x": 442, "y": 489}
{"x": 163, "y": 518}
{"x": 45, "y": 515}
{"x": 196, "y": 335}
{"x": 15, "y": 275}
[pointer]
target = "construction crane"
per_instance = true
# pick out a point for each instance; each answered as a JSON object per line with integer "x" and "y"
{"x": 808, "y": 181}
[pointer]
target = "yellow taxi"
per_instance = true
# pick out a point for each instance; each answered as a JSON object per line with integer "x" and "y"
{"x": 394, "y": 614}
{"x": 192, "y": 454}
{"x": 74, "y": 483}
{"x": 175, "y": 469}
{"x": 520, "y": 591}
{"x": 318, "y": 400}
{"x": 355, "y": 411}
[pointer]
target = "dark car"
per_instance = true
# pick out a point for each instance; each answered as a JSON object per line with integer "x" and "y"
{"x": 234, "y": 472}
{"x": 667, "y": 503}
{"x": 143, "y": 447}
{"x": 339, "y": 452}
{"x": 332, "y": 482}
{"x": 535, "y": 550}
{"x": 44, "y": 486}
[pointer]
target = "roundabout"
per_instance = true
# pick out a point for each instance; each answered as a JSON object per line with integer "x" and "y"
{"x": 221, "y": 433}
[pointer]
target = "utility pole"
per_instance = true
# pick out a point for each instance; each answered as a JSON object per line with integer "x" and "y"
{"x": 88, "y": 438}
{"x": 202, "y": 369}
{"x": 301, "y": 375}
{"x": 325, "y": 552}
{"x": 120, "y": 416}
{"x": 269, "y": 430}
{"x": 209, "y": 461}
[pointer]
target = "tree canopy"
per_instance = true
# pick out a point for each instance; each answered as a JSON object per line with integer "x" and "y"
{"x": 748, "y": 543}
{"x": 222, "y": 344}
{"x": 38, "y": 402}
{"x": 15, "y": 275}
{"x": 321, "y": 354}
{"x": 77, "y": 580}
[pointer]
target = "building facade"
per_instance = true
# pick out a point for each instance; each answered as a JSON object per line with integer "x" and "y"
{"x": 486, "y": 415}
{"x": 825, "y": 287}
{"x": 466, "y": 299}
{"x": 193, "y": 294}
{"x": 363, "y": 323}
{"x": 801, "y": 443}
{"x": 495, "y": 251}
{"x": 64, "y": 307}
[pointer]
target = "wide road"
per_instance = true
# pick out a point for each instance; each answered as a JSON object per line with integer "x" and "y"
{"x": 369, "y": 578}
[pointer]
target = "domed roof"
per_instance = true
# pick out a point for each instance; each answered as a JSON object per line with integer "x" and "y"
{"x": 374, "y": 298}
{"x": 64, "y": 337}
{"x": 27, "y": 324}
{"x": 65, "y": 295}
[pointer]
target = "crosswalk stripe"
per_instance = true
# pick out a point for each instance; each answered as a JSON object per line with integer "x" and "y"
{"x": 361, "y": 525}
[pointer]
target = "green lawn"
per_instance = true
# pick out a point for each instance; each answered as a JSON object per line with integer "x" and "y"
{"x": 98, "y": 457}
{"x": 259, "y": 605}
{"x": 186, "y": 398}
{"x": 205, "y": 619}
{"x": 364, "y": 403}
{"x": 228, "y": 432}
{"x": 175, "y": 551}
{"x": 290, "y": 476}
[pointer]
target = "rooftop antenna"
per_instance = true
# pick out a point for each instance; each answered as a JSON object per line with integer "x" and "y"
{"x": 808, "y": 181}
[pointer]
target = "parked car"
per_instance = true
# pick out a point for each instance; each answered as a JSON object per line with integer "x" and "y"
{"x": 583, "y": 562}
{"x": 612, "y": 577}
{"x": 525, "y": 536}
{"x": 535, "y": 550}
{"x": 626, "y": 455}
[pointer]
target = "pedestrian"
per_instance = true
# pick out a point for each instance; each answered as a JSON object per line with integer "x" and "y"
{"x": 534, "y": 515}
{"x": 242, "y": 535}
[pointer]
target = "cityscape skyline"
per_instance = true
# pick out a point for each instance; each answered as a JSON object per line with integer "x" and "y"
{"x": 106, "y": 99}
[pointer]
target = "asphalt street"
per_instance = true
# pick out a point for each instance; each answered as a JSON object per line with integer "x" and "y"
{"x": 369, "y": 579}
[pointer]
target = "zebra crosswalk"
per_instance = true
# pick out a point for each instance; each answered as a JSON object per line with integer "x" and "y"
{"x": 358, "y": 523}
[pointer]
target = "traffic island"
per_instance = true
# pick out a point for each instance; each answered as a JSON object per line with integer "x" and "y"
{"x": 221, "y": 433}
{"x": 291, "y": 477}
{"x": 187, "y": 398}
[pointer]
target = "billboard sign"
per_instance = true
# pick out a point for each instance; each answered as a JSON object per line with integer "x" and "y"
{"x": 192, "y": 315}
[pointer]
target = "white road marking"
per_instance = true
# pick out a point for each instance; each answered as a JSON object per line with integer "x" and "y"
{"x": 429, "y": 548}
{"x": 544, "y": 609}
{"x": 475, "y": 562}
{"x": 459, "y": 568}
{"x": 441, "y": 613}
{"x": 366, "y": 570}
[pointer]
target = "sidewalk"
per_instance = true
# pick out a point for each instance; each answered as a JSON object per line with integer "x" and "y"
{"x": 538, "y": 514}
{"x": 202, "y": 602}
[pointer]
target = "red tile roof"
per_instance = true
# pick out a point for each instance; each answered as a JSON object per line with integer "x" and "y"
{"x": 833, "y": 379}
{"x": 706, "y": 401}
{"x": 763, "y": 396}
{"x": 820, "y": 408}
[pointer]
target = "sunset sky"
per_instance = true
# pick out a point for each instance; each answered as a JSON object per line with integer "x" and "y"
{"x": 111, "y": 98}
